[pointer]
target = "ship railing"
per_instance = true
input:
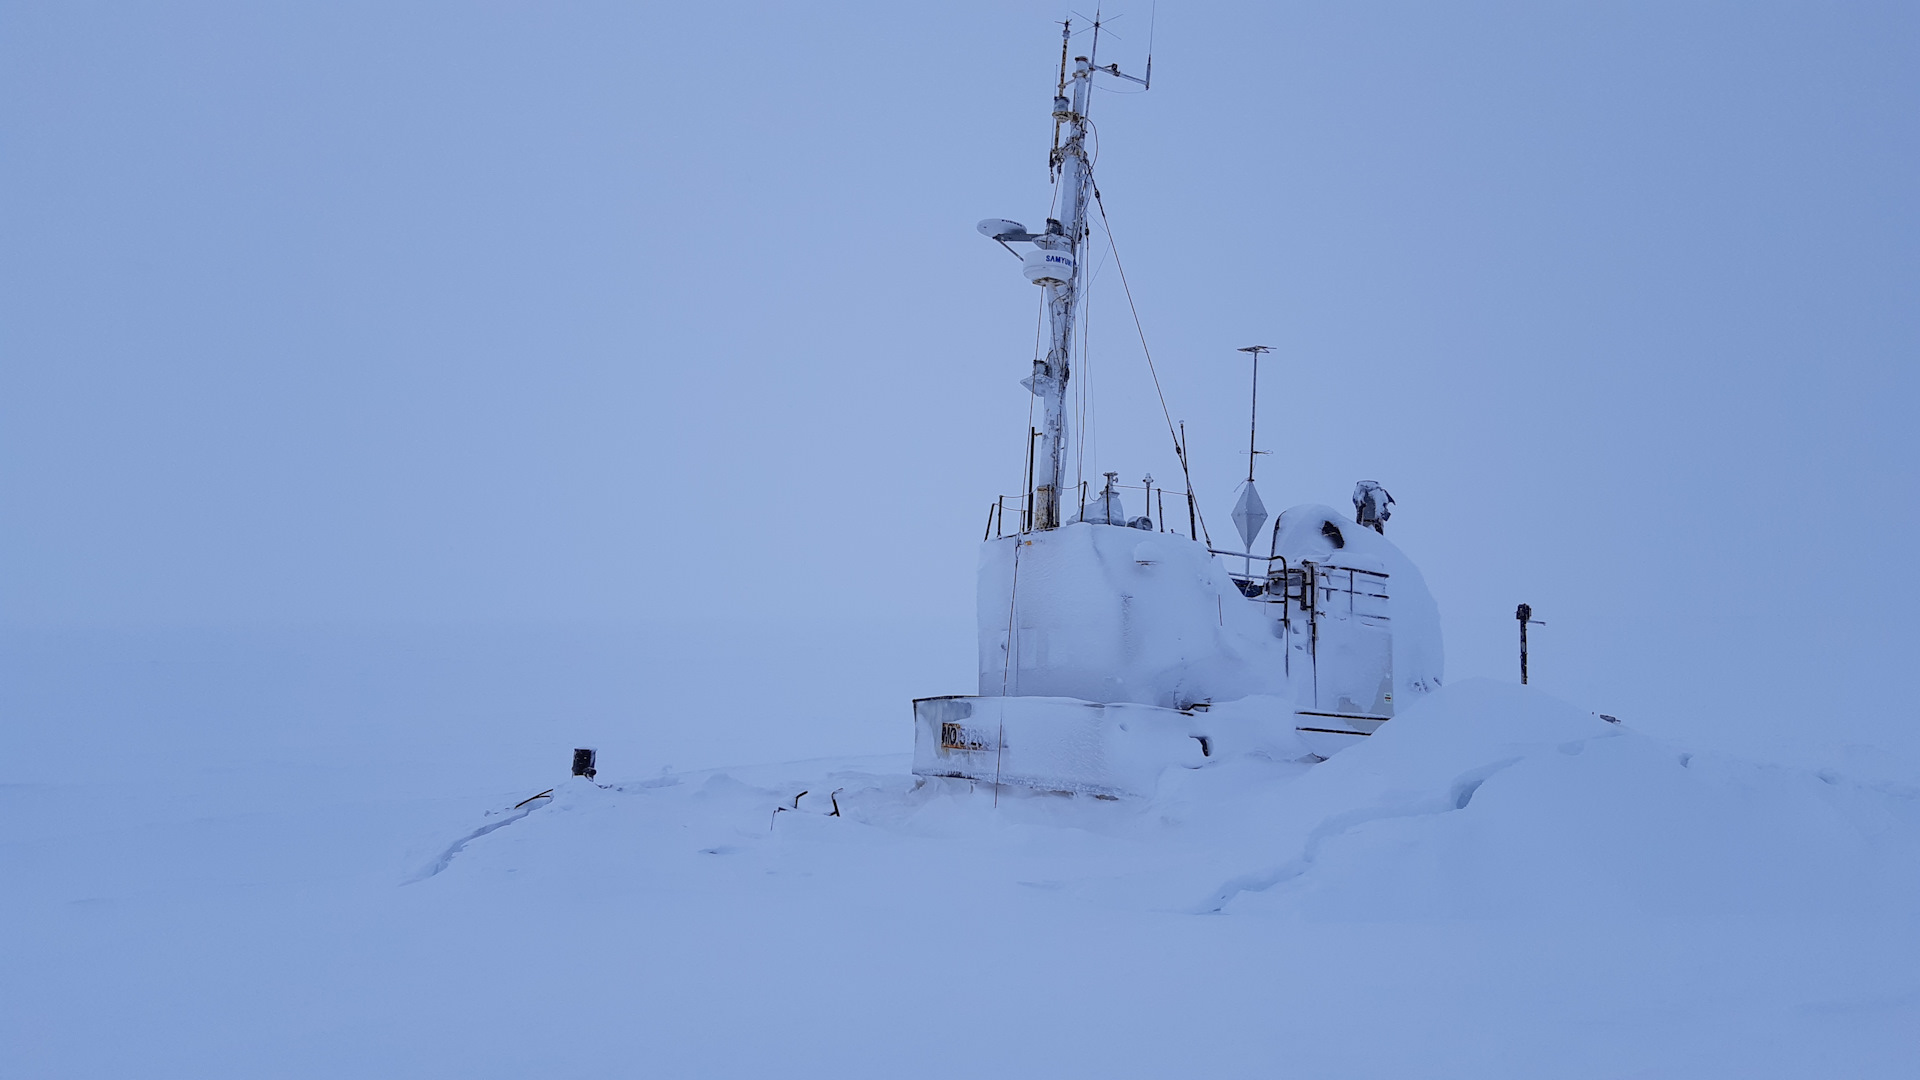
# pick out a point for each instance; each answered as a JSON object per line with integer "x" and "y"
{"x": 1269, "y": 578}
{"x": 1011, "y": 515}
{"x": 1274, "y": 582}
{"x": 1308, "y": 587}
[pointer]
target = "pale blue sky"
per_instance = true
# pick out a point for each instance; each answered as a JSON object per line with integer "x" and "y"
{"x": 492, "y": 314}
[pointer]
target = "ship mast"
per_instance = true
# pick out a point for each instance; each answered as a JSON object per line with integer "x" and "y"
{"x": 1054, "y": 264}
{"x": 1051, "y": 372}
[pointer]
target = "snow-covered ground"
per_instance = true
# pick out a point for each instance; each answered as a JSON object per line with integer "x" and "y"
{"x": 1499, "y": 884}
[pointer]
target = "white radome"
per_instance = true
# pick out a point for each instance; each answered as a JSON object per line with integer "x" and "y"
{"x": 1044, "y": 267}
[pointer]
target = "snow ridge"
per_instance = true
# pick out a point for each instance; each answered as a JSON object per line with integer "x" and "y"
{"x": 445, "y": 858}
{"x": 1459, "y": 794}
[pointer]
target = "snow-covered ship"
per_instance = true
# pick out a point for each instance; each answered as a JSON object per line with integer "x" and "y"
{"x": 1115, "y": 646}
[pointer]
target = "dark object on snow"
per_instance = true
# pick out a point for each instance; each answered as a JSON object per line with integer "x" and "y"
{"x": 1332, "y": 532}
{"x": 778, "y": 810}
{"x": 583, "y": 759}
{"x": 1609, "y": 719}
{"x": 547, "y": 794}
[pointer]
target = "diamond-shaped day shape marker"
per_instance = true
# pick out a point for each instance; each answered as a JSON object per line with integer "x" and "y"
{"x": 1249, "y": 514}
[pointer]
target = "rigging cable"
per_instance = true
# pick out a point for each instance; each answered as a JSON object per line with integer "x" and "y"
{"x": 1006, "y": 667}
{"x": 1083, "y": 298}
{"x": 1179, "y": 450}
{"x": 1026, "y": 516}
{"x": 1088, "y": 434}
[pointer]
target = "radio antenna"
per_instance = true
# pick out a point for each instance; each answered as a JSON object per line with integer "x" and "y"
{"x": 1059, "y": 96}
{"x": 1093, "y": 53}
{"x": 1153, "y": 17}
{"x": 1253, "y": 413}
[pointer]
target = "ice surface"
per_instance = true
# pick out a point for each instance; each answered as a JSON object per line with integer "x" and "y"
{"x": 1498, "y": 884}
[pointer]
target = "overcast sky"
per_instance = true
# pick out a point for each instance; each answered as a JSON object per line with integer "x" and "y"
{"x": 490, "y": 314}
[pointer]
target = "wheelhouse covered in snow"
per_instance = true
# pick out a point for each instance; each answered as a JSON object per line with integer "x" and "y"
{"x": 1115, "y": 645}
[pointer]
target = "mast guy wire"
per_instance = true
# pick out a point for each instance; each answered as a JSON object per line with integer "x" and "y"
{"x": 1179, "y": 451}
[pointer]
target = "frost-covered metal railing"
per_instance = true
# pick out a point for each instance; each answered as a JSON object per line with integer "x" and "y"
{"x": 1011, "y": 515}
{"x": 1277, "y": 584}
{"x": 1297, "y": 584}
{"x": 1312, "y": 587}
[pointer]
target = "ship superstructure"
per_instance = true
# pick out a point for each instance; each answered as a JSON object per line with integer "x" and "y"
{"x": 1115, "y": 645}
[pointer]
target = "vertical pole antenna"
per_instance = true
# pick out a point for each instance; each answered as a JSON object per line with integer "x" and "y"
{"x": 1066, "y": 37}
{"x": 1253, "y": 413}
{"x": 1153, "y": 21}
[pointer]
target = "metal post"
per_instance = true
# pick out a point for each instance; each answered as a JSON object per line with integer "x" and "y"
{"x": 1193, "y": 527}
{"x": 1525, "y": 614}
{"x": 1026, "y": 514}
{"x": 1253, "y": 413}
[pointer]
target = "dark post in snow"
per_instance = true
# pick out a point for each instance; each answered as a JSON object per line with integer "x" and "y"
{"x": 1525, "y": 614}
{"x": 583, "y": 758}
